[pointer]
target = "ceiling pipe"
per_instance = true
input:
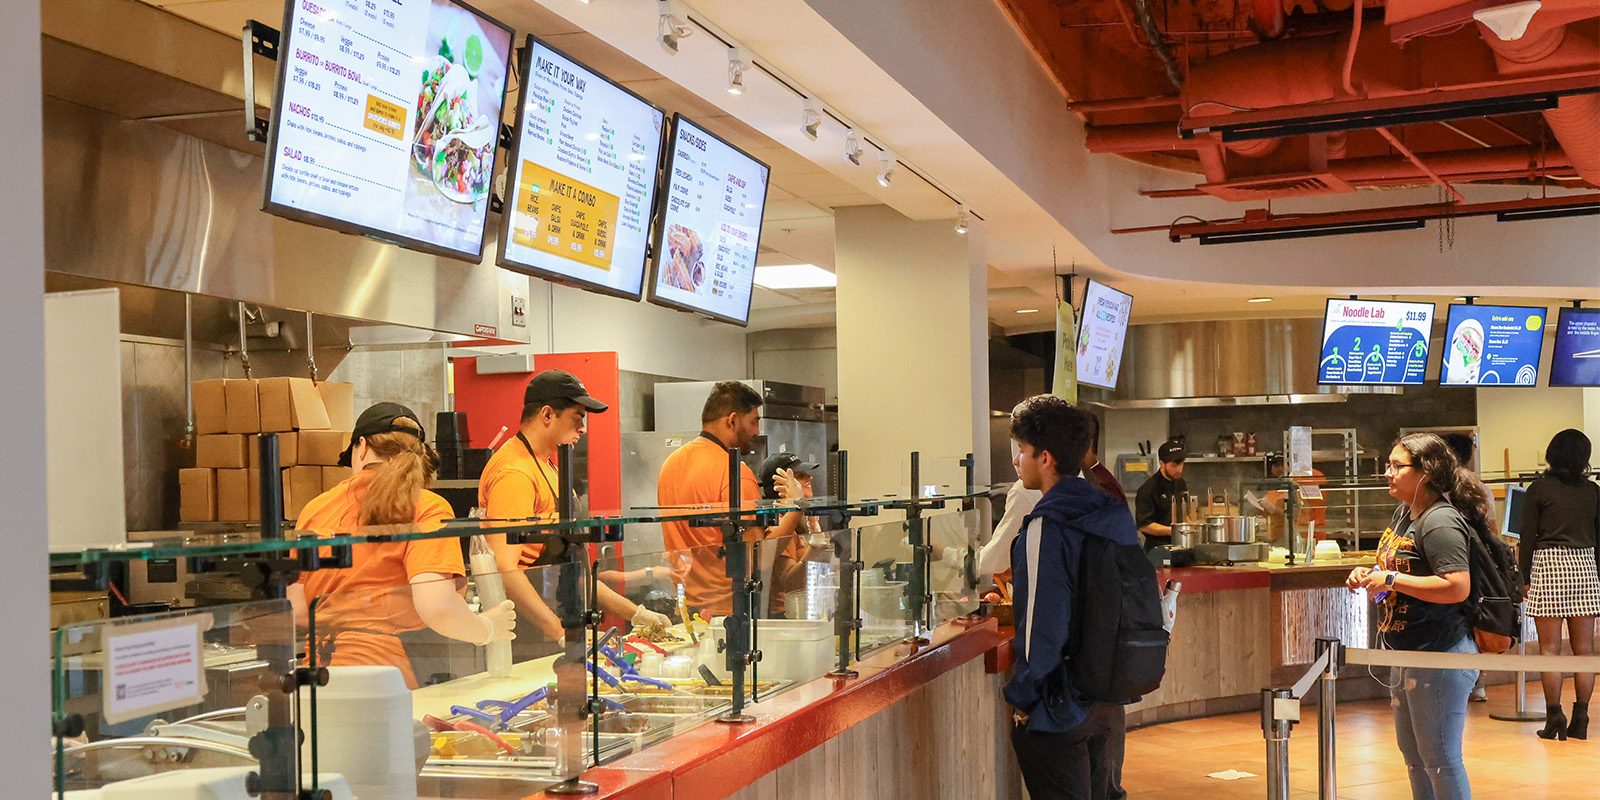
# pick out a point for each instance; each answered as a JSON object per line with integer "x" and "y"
{"x": 1575, "y": 121}
{"x": 1412, "y": 157}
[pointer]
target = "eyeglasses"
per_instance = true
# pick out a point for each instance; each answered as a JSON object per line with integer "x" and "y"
{"x": 1395, "y": 466}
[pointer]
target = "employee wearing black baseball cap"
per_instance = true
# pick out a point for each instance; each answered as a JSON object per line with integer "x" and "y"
{"x": 788, "y": 566}
{"x": 1152, "y": 505}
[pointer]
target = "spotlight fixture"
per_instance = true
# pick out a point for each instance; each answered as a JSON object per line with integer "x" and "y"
{"x": 852, "y": 146}
{"x": 671, "y": 28}
{"x": 811, "y": 117}
{"x": 736, "y": 67}
{"x": 886, "y": 167}
{"x": 962, "y": 220}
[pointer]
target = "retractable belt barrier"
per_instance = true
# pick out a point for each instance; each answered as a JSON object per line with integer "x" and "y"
{"x": 1280, "y": 708}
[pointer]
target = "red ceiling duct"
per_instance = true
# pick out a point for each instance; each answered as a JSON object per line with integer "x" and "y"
{"x": 1552, "y": 43}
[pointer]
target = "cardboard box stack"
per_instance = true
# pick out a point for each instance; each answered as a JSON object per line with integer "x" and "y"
{"x": 312, "y": 421}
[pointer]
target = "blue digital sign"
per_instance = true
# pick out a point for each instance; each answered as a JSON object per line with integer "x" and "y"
{"x": 1375, "y": 342}
{"x": 1492, "y": 345}
{"x": 1576, "y": 361}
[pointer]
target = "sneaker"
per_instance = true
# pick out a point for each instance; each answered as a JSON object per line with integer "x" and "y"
{"x": 1479, "y": 695}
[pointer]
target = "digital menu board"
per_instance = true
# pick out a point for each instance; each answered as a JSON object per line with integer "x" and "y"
{"x": 582, "y": 180}
{"x": 387, "y": 118}
{"x": 1375, "y": 342}
{"x": 1102, "y": 329}
{"x": 1576, "y": 360}
{"x": 711, "y": 209}
{"x": 1492, "y": 345}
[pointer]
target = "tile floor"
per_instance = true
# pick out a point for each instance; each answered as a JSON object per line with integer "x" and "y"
{"x": 1504, "y": 759}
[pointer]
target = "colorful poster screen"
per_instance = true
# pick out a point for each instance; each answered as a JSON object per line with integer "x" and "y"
{"x": 387, "y": 119}
{"x": 582, "y": 181}
{"x": 710, "y": 225}
{"x": 1576, "y": 360}
{"x": 1492, "y": 346}
{"x": 1375, "y": 342}
{"x": 1103, "y": 329}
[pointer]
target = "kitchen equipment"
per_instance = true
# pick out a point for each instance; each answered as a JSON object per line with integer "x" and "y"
{"x": 1211, "y": 553}
{"x": 1328, "y": 550}
{"x": 798, "y": 650}
{"x": 1229, "y": 530}
{"x": 364, "y": 731}
{"x": 1186, "y": 535}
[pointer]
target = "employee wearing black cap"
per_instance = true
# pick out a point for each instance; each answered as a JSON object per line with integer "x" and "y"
{"x": 520, "y": 482}
{"x": 1152, "y": 505}
{"x": 788, "y": 567}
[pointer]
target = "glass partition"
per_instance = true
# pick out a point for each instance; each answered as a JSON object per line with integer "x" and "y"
{"x": 135, "y": 697}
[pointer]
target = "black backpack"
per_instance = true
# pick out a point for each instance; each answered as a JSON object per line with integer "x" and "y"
{"x": 1492, "y": 603}
{"x": 1118, "y": 649}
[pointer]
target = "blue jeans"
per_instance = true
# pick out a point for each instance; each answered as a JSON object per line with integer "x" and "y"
{"x": 1430, "y": 712}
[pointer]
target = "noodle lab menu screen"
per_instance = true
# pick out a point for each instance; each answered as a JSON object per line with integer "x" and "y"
{"x": 1375, "y": 342}
{"x": 710, "y": 226}
{"x": 584, "y": 177}
{"x": 1576, "y": 361}
{"x": 387, "y": 119}
{"x": 1492, "y": 345}
{"x": 1101, "y": 334}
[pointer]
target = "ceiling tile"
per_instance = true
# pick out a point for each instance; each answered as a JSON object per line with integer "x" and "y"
{"x": 793, "y": 209}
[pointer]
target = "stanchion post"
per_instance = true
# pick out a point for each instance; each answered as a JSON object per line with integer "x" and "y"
{"x": 1327, "y": 764}
{"x": 1276, "y": 732}
{"x": 1521, "y": 713}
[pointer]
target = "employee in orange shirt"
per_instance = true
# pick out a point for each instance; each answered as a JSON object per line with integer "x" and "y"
{"x": 697, "y": 474}
{"x": 520, "y": 482}
{"x": 365, "y": 614}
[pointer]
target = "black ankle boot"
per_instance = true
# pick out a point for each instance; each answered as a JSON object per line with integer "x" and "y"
{"x": 1579, "y": 728}
{"x": 1555, "y": 724}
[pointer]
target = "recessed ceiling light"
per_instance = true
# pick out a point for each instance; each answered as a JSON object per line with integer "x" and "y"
{"x": 1259, "y": 300}
{"x": 796, "y": 276}
{"x": 1458, "y": 299}
{"x": 1027, "y": 311}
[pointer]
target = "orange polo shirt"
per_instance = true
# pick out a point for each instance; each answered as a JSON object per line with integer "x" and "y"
{"x": 357, "y": 611}
{"x": 516, "y": 484}
{"x": 698, "y": 475}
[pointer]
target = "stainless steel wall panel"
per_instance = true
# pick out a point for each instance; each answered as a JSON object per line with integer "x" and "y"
{"x": 1227, "y": 358}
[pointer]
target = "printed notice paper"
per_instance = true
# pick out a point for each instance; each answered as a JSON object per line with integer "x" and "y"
{"x": 151, "y": 667}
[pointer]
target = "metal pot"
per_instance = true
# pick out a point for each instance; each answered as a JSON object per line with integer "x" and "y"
{"x": 1230, "y": 530}
{"x": 1186, "y": 535}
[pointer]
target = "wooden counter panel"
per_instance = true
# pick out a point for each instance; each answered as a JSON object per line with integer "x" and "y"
{"x": 1218, "y": 650}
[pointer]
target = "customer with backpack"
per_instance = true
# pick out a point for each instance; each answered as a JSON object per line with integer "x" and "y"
{"x": 1423, "y": 580}
{"x": 1060, "y": 733}
{"x": 1559, "y": 517}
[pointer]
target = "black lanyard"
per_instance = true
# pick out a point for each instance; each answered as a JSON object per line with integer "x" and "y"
{"x": 539, "y": 469}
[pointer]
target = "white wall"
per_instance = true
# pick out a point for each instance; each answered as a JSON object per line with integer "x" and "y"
{"x": 806, "y": 356}
{"x": 1523, "y": 420}
{"x": 24, "y": 594}
{"x": 1125, "y": 429}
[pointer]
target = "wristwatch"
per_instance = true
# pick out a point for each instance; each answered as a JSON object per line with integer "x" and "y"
{"x": 1388, "y": 578}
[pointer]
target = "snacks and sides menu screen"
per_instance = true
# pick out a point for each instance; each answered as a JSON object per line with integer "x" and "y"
{"x": 582, "y": 181}
{"x": 1576, "y": 360}
{"x": 1368, "y": 341}
{"x": 710, "y": 225}
{"x": 1492, "y": 345}
{"x": 1101, "y": 333}
{"x": 388, "y": 114}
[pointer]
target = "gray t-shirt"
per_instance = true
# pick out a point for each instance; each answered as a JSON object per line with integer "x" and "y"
{"x": 1434, "y": 544}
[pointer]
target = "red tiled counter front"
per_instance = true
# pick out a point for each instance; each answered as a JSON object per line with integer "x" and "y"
{"x": 944, "y": 678}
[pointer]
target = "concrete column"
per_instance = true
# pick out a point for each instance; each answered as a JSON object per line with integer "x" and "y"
{"x": 913, "y": 347}
{"x": 24, "y": 592}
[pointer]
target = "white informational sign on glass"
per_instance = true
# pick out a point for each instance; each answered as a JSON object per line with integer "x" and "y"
{"x": 710, "y": 226}
{"x": 151, "y": 667}
{"x": 387, "y": 120}
{"x": 582, "y": 179}
{"x": 1102, "y": 331}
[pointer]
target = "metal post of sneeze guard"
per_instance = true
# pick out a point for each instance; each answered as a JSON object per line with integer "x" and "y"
{"x": 575, "y": 617}
{"x": 847, "y": 608}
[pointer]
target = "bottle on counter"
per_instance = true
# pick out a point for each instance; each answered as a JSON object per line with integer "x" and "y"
{"x": 491, "y": 592}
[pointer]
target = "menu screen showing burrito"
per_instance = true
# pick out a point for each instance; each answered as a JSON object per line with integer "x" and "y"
{"x": 387, "y": 118}
{"x": 1576, "y": 360}
{"x": 583, "y": 180}
{"x": 1368, "y": 341}
{"x": 1102, "y": 329}
{"x": 710, "y": 225}
{"x": 1492, "y": 346}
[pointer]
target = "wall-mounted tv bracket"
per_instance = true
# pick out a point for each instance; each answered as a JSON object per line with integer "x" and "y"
{"x": 260, "y": 39}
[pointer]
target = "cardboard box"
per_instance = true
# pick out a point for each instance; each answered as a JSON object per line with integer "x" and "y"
{"x": 339, "y": 400}
{"x": 300, "y": 485}
{"x": 305, "y": 406}
{"x": 253, "y": 491}
{"x": 220, "y": 451}
{"x": 233, "y": 495}
{"x": 288, "y": 449}
{"x": 333, "y": 476}
{"x": 322, "y": 448}
{"x": 197, "y": 495}
{"x": 211, "y": 407}
{"x": 244, "y": 415}
{"x": 272, "y": 396}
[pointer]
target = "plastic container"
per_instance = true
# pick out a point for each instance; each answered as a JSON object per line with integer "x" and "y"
{"x": 796, "y": 650}
{"x": 365, "y": 731}
{"x": 491, "y": 592}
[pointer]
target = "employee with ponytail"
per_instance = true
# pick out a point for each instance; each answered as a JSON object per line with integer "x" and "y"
{"x": 372, "y": 612}
{"x": 1422, "y": 579}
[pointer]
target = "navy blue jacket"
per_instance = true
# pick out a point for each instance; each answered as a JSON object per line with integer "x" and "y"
{"x": 1070, "y": 511}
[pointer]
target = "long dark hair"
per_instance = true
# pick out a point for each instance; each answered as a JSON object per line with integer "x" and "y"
{"x": 1442, "y": 472}
{"x": 1568, "y": 456}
